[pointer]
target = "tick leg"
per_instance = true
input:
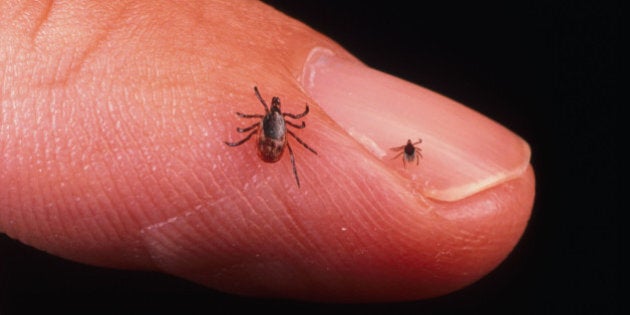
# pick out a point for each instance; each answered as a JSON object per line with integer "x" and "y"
{"x": 248, "y": 128}
{"x": 300, "y": 141}
{"x": 262, "y": 101}
{"x": 417, "y": 142}
{"x": 397, "y": 155}
{"x": 397, "y": 148}
{"x": 249, "y": 115}
{"x": 295, "y": 125}
{"x": 233, "y": 144}
{"x": 297, "y": 180}
{"x": 298, "y": 116}
{"x": 418, "y": 153}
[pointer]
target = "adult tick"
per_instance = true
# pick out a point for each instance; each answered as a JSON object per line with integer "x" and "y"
{"x": 272, "y": 131}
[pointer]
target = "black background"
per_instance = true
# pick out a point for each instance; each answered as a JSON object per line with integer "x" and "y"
{"x": 545, "y": 70}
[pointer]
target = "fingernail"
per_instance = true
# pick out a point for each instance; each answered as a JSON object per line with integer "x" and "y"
{"x": 463, "y": 151}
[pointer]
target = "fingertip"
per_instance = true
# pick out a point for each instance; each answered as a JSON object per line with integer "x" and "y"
{"x": 464, "y": 152}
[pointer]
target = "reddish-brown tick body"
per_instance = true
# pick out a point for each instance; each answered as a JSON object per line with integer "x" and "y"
{"x": 272, "y": 135}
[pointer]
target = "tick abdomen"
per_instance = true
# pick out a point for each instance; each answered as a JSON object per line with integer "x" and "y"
{"x": 270, "y": 150}
{"x": 272, "y": 137}
{"x": 273, "y": 126}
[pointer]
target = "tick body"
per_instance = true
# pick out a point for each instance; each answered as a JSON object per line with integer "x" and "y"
{"x": 409, "y": 151}
{"x": 271, "y": 131}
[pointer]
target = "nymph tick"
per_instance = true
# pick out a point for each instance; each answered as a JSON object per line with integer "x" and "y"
{"x": 272, "y": 132}
{"x": 410, "y": 151}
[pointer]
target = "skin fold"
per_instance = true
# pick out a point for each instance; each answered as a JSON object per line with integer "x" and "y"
{"x": 113, "y": 124}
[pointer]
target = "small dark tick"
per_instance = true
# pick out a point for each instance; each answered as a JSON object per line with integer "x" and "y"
{"x": 410, "y": 151}
{"x": 272, "y": 132}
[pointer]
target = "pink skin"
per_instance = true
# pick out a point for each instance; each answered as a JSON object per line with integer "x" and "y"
{"x": 112, "y": 129}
